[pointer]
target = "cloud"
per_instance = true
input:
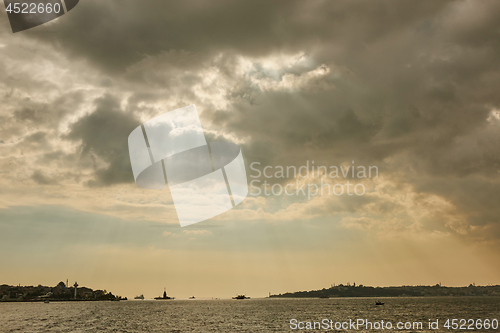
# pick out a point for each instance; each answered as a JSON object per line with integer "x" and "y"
{"x": 42, "y": 179}
{"x": 196, "y": 232}
{"x": 103, "y": 135}
{"x": 411, "y": 88}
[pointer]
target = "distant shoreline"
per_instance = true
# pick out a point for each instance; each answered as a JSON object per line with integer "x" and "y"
{"x": 62, "y": 292}
{"x": 56, "y": 300}
{"x": 353, "y": 291}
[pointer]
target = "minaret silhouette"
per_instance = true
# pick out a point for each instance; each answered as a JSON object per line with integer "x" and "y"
{"x": 76, "y": 286}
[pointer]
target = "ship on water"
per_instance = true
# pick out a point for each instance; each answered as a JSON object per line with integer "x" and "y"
{"x": 139, "y": 297}
{"x": 164, "y": 295}
{"x": 241, "y": 297}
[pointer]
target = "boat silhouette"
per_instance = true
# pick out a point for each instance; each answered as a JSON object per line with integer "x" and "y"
{"x": 241, "y": 297}
{"x": 164, "y": 295}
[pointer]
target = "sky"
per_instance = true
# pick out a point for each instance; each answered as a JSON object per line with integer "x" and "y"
{"x": 410, "y": 87}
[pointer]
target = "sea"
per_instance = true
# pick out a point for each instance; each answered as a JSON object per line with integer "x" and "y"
{"x": 257, "y": 315}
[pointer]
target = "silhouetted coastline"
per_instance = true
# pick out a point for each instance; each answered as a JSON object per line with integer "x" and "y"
{"x": 399, "y": 291}
{"x": 61, "y": 292}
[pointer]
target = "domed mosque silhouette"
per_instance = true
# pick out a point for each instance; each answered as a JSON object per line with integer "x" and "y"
{"x": 25, "y": 15}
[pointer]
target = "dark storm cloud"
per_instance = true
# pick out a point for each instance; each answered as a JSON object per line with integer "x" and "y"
{"x": 103, "y": 134}
{"x": 40, "y": 178}
{"x": 408, "y": 85}
{"x": 25, "y": 114}
{"x": 411, "y": 52}
{"x": 117, "y": 34}
{"x": 39, "y": 116}
{"x": 96, "y": 30}
{"x": 414, "y": 86}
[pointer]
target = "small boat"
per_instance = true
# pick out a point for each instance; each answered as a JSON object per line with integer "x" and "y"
{"x": 241, "y": 297}
{"x": 324, "y": 296}
{"x": 46, "y": 301}
{"x": 379, "y": 303}
{"x": 139, "y": 297}
{"x": 192, "y": 297}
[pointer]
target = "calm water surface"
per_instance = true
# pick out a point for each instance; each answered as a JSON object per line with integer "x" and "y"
{"x": 254, "y": 315}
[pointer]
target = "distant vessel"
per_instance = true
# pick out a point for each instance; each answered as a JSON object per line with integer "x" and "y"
{"x": 324, "y": 296}
{"x": 164, "y": 295}
{"x": 379, "y": 303}
{"x": 139, "y": 297}
{"x": 241, "y": 297}
{"x": 192, "y": 297}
